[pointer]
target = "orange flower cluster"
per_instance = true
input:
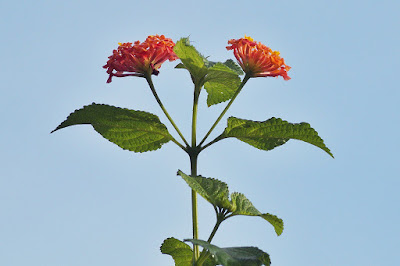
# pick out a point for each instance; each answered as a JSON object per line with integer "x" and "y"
{"x": 258, "y": 60}
{"x": 140, "y": 59}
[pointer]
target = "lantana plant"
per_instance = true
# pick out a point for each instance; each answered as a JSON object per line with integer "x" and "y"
{"x": 141, "y": 131}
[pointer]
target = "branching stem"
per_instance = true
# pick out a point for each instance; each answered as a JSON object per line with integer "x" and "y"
{"x": 212, "y": 142}
{"x": 193, "y": 152}
{"x": 245, "y": 79}
{"x": 153, "y": 90}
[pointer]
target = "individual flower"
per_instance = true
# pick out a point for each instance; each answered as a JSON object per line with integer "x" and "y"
{"x": 258, "y": 60}
{"x": 140, "y": 59}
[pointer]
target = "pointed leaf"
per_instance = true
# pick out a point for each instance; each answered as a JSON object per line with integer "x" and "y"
{"x": 191, "y": 59}
{"x": 221, "y": 83}
{"x": 229, "y": 63}
{"x": 179, "y": 251}
{"x": 180, "y": 65}
{"x": 136, "y": 131}
{"x": 235, "y": 256}
{"x": 214, "y": 191}
{"x": 272, "y": 133}
{"x": 243, "y": 206}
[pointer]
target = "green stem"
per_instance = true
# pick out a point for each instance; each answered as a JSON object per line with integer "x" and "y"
{"x": 217, "y": 224}
{"x": 196, "y": 252}
{"x": 245, "y": 79}
{"x": 213, "y": 141}
{"x": 204, "y": 255}
{"x": 177, "y": 143}
{"x": 193, "y": 153}
{"x": 153, "y": 90}
{"x": 194, "y": 117}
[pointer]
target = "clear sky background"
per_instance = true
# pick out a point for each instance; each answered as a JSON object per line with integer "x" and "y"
{"x": 74, "y": 199}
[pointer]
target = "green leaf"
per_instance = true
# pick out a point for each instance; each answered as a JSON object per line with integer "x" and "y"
{"x": 221, "y": 83}
{"x": 191, "y": 59}
{"x": 271, "y": 133}
{"x": 217, "y": 193}
{"x": 243, "y": 206}
{"x": 229, "y": 63}
{"x": 235, "y": 67}
{"x": 219, "y": 79}
{"x": 136, "y": 131}
{"x": 214, "y": 191}
{"x": 180, "y": 65}
{"x": 235, "y": 256}
{"x": 180, "y": 252}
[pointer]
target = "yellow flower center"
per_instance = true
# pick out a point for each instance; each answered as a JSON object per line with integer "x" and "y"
{"x": 248, "y": 38}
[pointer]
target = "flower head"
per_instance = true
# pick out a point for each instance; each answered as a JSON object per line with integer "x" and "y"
{"x": 258, "y": 60}
{"x": 140, "y": 59}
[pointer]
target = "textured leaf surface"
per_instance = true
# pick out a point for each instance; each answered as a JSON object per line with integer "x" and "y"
{"x": 272, "y": 133}
{"x": 221, "y": 83}
{"x": 235, "y": 67}
{"x": 191, "y": 59}
{"x": 219, "y": 79}
{"x": 229, "y": 63}
{"x": 214, "y": 191}
{"x": 179, "y": 251}
{"x": 235, "y": 256}
{"x": 217, "y": 193}
{"x": 136, "y": 131}
{"x": 243, "y": 206}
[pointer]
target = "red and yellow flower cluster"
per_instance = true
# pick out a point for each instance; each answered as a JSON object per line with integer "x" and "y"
{"x": 258, "y": 60}
{"x": 140, "y": 59}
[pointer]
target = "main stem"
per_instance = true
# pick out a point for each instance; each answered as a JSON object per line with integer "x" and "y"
{"x": 193, "y": 153}
{"x": 196, "y": 252}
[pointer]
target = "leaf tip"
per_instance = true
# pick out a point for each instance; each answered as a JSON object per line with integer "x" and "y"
{"x": 328, "y": 151}
{"x": 54, "y": 130}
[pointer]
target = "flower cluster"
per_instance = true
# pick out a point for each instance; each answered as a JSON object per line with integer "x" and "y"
{"x": 140, "y": 59}
{"x": 258, "y": 60}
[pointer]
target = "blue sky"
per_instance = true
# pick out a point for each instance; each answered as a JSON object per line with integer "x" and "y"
{"x": 73, "y": 198}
